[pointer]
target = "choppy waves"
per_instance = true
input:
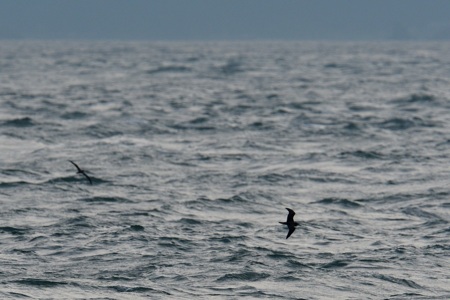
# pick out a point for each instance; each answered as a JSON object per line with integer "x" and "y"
{"x": 195, "y": 150}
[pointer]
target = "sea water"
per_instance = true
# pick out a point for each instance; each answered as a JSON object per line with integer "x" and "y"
{"x": 195, "y": 149}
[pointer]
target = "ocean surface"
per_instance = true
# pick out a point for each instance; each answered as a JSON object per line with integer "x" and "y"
{"x": 195, "y": 149}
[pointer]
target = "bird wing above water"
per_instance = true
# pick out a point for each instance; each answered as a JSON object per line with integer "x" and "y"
{"x": 291, "y": 230}
{"x": 290, "y": 222}
{"x": 76, "y": 166}
{"x": 79, "y": 170}
{"x": 88, "y": 178}
{"x": 291, "y": 215}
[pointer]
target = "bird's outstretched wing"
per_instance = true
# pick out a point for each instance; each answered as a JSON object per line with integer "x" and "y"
{"x": 290, "y": 215}
{"x": 291, "y": 230}
{"x": 81, "y": 171}
{"x": 88, "y": 178}
{"x": 76, "y": 166}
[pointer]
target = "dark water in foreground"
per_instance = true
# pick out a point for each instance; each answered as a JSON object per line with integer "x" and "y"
{"x": 195, "y": 150}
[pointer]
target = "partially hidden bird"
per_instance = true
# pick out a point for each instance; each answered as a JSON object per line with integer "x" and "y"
{"x": 290, "y": 222}
{"x": 80, "y": 171}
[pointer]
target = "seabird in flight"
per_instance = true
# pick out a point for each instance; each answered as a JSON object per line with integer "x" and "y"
{"x": 290, "y": 222}
{"x": 79, "y": 171}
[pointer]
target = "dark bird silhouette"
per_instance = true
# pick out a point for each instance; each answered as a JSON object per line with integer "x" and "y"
{"x": 79, "y": 171}
{"x": 290, "y": 222}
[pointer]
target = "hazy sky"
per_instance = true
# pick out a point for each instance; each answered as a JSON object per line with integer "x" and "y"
{"x": 225, "y": 19}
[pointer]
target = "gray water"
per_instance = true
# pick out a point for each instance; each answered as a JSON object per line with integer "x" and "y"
{"x": 196, "y": 149}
